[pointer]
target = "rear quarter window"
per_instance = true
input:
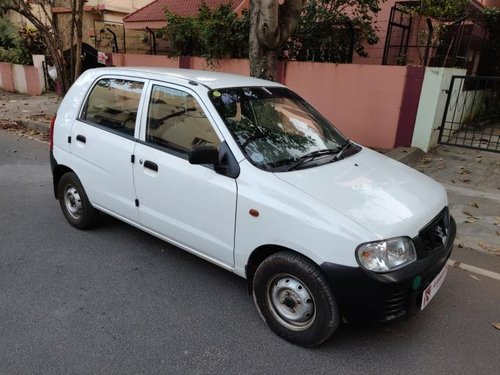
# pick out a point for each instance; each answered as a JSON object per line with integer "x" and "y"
{"x": 113, "y": 104}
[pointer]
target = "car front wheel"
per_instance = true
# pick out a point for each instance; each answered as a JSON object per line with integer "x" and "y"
{"x": 295, "y": 300}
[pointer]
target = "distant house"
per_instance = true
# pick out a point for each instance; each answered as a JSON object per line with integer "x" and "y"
{"x": 102, "y": 20}
{"x": 152, "y": 16}
{"x": 404, "y": 38}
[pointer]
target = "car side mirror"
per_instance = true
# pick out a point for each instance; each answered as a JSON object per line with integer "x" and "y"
{"x": 204, "y": 155}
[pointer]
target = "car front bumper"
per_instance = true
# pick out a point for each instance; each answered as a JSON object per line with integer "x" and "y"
{"x": 365, "y": 296}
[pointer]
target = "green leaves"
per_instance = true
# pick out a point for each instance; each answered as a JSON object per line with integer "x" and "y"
{"x": 214, "y": 34}
{"x": 331, "y": 30}
{"x": 17, "y": 45}
{"x": 9, "y": 37}
{"x": 328, "y": 30}
{"x": 442, "y": 9}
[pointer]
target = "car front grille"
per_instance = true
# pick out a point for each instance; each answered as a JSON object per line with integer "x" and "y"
{"x": 434, "y": 236}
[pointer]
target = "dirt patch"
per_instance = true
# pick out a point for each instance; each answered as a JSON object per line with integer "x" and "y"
{"x": 41, "y": 117}
{"x": 20, "y": 129}
{"x": 12, "y": 125}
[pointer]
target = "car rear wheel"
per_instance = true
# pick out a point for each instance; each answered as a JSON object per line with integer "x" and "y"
{"x": 75, "y": 203}
{"x": 295, "y": 300}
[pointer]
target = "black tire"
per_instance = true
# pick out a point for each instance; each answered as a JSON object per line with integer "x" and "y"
{"x": 288, "y": 283}
{"x": 74, "y": 202}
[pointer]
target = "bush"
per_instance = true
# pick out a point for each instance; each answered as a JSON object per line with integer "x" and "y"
{"x": 326, "y": 32}
{"x": 332, "y": 30}
{"x": 213, "y": 34}
{"x": 17, "y": 46}
{"x": 15, "y": 56}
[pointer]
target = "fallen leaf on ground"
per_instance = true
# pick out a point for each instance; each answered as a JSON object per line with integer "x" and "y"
{"x": 460, "y": 245}
{"x": 464, "y": 179}
{"x": 442, "y": 166}
{"x": 453, "y": 181}
{"x": 496, "y": 325}
{"x": 498, "y": 233}
{"x": 474, "y": 277}
{"x": 473, "y": 204}
{"x": 426, "y": 160}
{"x": 484, "y": 246}
{"x": 470, "y": 220}
{"x": 497, "y": 221}
{"x": 469, "y": 214}
{"x": 465, "y": 171}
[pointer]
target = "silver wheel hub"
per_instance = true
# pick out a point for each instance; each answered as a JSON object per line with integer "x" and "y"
{"x": 73, "y": 202}
{"x": 291, "y": 302}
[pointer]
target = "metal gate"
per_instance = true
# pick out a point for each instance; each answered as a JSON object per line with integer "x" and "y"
{"x": 398, "y": 34}
{"x": 472, "y": 114}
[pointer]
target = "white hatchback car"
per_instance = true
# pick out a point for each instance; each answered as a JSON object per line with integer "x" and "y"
{"x": 246, "y": 174}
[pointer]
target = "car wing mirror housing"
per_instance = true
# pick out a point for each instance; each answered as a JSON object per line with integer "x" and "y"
{"x": 204, "y": 155}
{"x": 222, "y": 159}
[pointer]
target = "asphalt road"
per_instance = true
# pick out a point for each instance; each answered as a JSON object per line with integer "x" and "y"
{"x": 116, "y": 300}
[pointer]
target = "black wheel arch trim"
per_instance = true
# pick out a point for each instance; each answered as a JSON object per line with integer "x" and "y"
{"x": 57, "y": 171}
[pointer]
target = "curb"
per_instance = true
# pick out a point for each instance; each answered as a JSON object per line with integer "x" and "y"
{"x": 36, "y": 126}
{"x": 406, "y": 155}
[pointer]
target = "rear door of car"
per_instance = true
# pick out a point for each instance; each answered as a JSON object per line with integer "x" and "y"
{"x": 190, "y": 205}
{"x": 103, "y": 140}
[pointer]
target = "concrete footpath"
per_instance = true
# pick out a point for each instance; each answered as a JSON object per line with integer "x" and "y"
{"x": 472, "y": 180}
{"x": 31, "y": 112}
{"x": 471, "y": 177}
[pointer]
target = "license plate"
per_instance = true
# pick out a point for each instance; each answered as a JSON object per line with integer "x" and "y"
{"x": 433, "y": 287}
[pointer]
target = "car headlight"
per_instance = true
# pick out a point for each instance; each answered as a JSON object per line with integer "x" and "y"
{"x": 386, "y": 255}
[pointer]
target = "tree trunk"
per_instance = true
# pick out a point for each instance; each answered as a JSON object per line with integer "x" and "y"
{"x": 79, "y": 38}
{"x": 47, "y": 25}
{"x": 262, "y": 61}
{"x": 72, "y": 28}
{"x": 271, "y": 23}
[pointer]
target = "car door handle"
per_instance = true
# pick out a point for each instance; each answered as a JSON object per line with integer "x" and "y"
{"x": 81, "y": 138}
{"x": 150, "y": 165}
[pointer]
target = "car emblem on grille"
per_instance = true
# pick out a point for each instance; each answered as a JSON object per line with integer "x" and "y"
{"x": 441, "y": 232}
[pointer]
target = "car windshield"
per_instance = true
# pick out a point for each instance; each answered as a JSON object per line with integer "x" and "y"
{"x": 276, "y": 129}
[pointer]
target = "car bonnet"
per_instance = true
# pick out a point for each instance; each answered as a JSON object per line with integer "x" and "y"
{"x": 380, "y": 194}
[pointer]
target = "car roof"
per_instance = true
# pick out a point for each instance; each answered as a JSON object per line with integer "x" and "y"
{"x": 212, "y": 80}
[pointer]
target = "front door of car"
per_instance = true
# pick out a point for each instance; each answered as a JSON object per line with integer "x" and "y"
{"x": 103, "y": 139}
{"x": 190, "y": 205}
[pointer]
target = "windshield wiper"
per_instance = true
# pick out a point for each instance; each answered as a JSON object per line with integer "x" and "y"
{"x": 344, "y": 147}
{"x": 313, "y": 155}
{"x": 310, "y": 157}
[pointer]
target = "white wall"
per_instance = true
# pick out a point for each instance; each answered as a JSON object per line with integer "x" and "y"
{"x": 38, "y": 61}
{"x": 431, "y": 106}
{"x": 20, "y": 78}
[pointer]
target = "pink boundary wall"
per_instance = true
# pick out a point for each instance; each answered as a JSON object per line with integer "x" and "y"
{"x": 365, "y": 102}
{"x": 234, "y": 66}
{"x": 21, "y": 78}
{"x": 7, "y": 77}
{"x": 128, "y": 59}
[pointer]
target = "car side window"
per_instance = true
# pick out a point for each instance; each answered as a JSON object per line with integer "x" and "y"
{"x": 176, "y": 121}
{"x": 113, "y": 103}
